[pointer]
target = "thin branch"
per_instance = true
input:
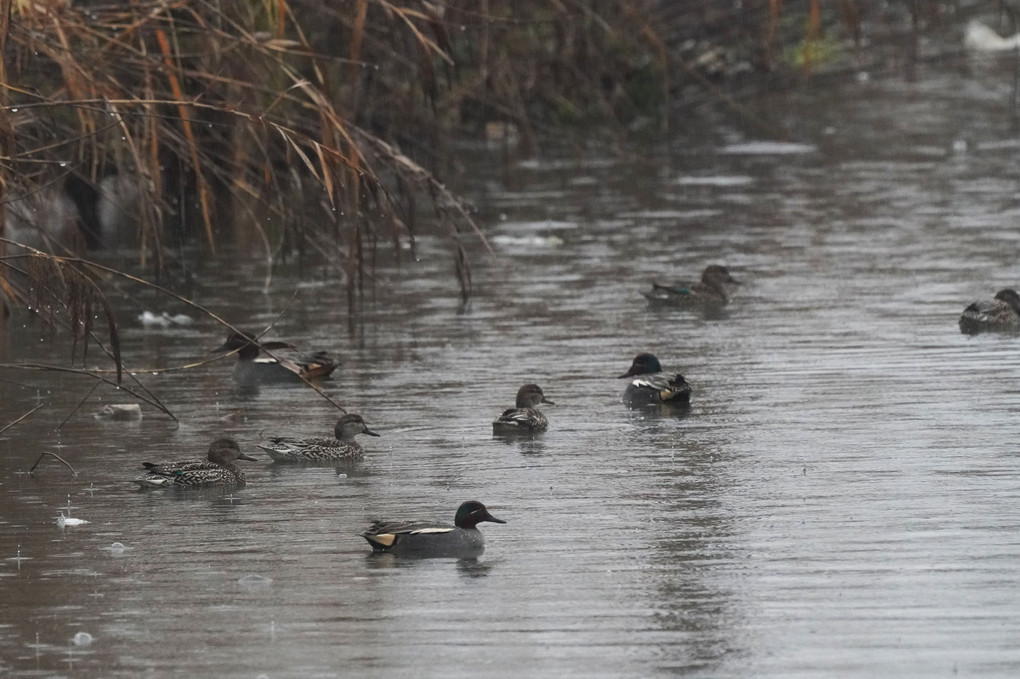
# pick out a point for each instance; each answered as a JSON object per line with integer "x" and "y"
{"x": 44, "y": 453}
{"x": 21, "y": 418}
{"x": 80, "y": 403}
{"x": 94, "y": 375}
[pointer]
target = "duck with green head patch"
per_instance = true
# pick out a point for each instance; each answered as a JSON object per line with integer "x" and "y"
{"x": 525, "y": 418}
{"x": 1001, "y": 314}
{"x": 218, "y": 469}
{"x": 252, "y": 369}
{"x": 423, "y": 539}
{"x": 710, "y": 291}
{"x": 651, "y": 385}
{"x": 322, "y": 450}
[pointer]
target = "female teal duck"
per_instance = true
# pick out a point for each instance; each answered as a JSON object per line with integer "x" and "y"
{"x": 651, "y": 385}
{"x": 416, "y": 538}
{"x": 525, "y": 418}
{"x": 253, "y": 369}
{"x": 710, "y": 291}
{"x": 217, "y": 470}
{"x": 322, "y": 450}
{"x": 1001, "y": 314}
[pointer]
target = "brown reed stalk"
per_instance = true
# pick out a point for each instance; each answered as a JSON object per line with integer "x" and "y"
{"x": 331, "y": 114}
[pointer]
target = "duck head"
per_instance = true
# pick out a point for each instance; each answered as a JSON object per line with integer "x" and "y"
{"x": 246, "y": 346}
{"x": 472, "y": 513}
{"x": 530, "y": 395}
{"x": 644, "y": 364}
{"x": 716, "y": 275}
{"x": 224, "y": 451}
{"x": 1010, "y": 297}
{"x": 349, "y": 426}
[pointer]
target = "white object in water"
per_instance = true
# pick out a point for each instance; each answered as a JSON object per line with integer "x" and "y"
{"x": 120, "y": 411}
{"x": 981, "y": 38}
{"x": 63, "y": 521}
{"x": 164, "y": 320}
{"x": 82, "y": 639}
{"x": 39, "y": 217}
{"x": 179, "y": 319}
{"x": 151, "y": 320}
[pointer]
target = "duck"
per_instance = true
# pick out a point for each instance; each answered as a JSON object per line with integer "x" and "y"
{"x": 254, "y": 369}
{"x": 218, "y": 469}
{"x": 1001, "y": 314}
{"x": 652, "y": 385}
{"x": 524, "y": 418}
{"x": 709, "y": 291}
{"x": 423, "y": 539}
{"x": 343, "y": 448}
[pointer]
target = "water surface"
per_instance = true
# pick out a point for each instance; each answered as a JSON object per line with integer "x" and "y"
{"x": 840, "y": 500}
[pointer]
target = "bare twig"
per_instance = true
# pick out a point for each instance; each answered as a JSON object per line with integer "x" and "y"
{"x": 94, "y": 375}
{"x": 21, "y": 418}
{"x": 44, "y": 453}
{"x": 95, "y": 386}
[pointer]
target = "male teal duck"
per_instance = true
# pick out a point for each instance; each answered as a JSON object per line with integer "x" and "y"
{"x": 524, "y": 418}
{"x": 652, "y": 385}
{"x": 1001, "y": 314}
{"x": 710, "y": 291}
{"x": 252, "y": 369}
{"x": 217, "y": 470}
{"x": 322, "y": 450}
{"x": 423, "y": 539}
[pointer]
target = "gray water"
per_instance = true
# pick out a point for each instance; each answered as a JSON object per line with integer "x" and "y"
{"x": 840, "y": 501}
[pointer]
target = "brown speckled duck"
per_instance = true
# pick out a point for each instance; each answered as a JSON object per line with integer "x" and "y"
{"x": 524, "y": 418}
{"x": 218, "y": 469}
{"x": 1001, "y": 314}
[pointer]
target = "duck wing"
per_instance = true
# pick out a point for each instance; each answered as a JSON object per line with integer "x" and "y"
{"x": 174, "y": 467}
{"x": 668, "y": 386}
{"x": 379, "y": 528}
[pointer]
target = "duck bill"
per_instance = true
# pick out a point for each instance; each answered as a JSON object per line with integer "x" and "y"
{"x": 273, "y": 346}
{"x": 489, "y": 517}
{"x": 545, "y": 400}
{"x": 221, "y": 349}
{"x": 242, "y": 456}
{"x": 368, "y": 431}
{"x": 629, "y": 373}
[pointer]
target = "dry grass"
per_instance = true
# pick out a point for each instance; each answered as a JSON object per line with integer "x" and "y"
{"x": 319, "y": 126}
{"x": 272, "y": 115}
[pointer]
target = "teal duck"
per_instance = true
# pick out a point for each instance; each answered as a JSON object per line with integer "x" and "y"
{"x": 710, "y": 291}
{"x": 423, "y": 539}
{"x": 1001, "y": 314}
{"x": 652, "y": 385}
{"x": 322, "y": 450}
{"x": 254, "y": 369}
{"x": 217, "y": 470}
{"x": 524, "y": 418}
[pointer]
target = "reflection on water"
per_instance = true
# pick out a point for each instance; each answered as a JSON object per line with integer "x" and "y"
{"x": 839, "y": 499}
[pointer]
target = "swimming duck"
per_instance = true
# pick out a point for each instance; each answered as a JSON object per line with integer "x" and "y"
{"x": 217, "y": 470}
{"x": 651, "y": 385}
{"x": 710, "y": 291}
{"x": 254, "y": 369}
{"x": 524, "y": 418}
{"x": 1001, "y": 314}
{"x": 343, "y": 448}
{"x": 416, "y": 538}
